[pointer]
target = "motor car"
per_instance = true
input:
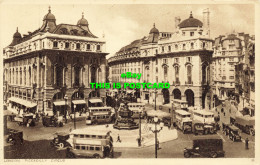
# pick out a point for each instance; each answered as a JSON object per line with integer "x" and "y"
{"x": 15, "y": 137}
{"x": 233, "y": 133}
{"x": 26, "y": 120}
{"x": 204, "y": 147}
{"x": 60, "y": 140}
{"x": 51, "y": 121}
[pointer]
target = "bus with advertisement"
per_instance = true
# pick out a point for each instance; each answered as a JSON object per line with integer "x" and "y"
{"x": 207, "y": 119}
{"x": 180, "y": 104}
{"x": 183, "y": 121}
{"x": 90, "y": 143}
{"x": 137, "y": 108}
{"x": 99, "y": 115}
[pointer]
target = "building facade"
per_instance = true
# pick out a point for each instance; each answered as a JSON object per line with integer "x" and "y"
{"x": 180, "y": 58}
{"x": 50, "y": 70}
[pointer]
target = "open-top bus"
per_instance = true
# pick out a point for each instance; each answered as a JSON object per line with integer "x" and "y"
{"x": 90, "y": 143}
{"x": 183, "y": 121}
{"x": 98, "y": 115}
{"x": 180, "y": 104}
{"x": 136, "y": 108}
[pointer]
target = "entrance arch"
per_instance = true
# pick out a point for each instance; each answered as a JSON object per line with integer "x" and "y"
{"x": 176, "y": 94}
{"x": 166, "y": 95}
{"x": 189, "y": 97}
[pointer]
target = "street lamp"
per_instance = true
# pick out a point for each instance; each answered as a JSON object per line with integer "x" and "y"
{"x": 155, "y": 92}
{"x": 74, "y": 116}
{"x": 155, "y": 131}
{"x": 140, "y": 135}
{"x": 65, "y": 113}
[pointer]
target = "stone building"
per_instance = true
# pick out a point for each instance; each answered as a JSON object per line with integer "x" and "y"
{"x": 180, "y": 58}
{"x": 50, "y": 70}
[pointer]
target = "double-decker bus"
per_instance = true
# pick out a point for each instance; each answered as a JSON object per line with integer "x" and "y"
{"x": 180, "y": 104}
{"x": 207, "y": 119}
{"x": 183, "y": 121}
{"x": 90, "y": 143}
{"x": 136, "y": 108}
{"x": 99, "y": 115}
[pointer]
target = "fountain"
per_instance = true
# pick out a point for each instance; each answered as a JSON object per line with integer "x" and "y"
{"x": 125, "y": 120}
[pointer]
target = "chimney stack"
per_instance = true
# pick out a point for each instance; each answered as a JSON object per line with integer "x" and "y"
{"x": 206, "y": 24}
{"x": 177, "y": 22}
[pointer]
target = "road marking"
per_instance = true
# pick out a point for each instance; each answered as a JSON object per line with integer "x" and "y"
{"x": 221, "y": 137}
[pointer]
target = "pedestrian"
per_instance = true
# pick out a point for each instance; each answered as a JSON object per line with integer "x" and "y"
{"x": 169, "y": 110}
{"x": 246, "y": 144}
{"x": 118, "y": 138}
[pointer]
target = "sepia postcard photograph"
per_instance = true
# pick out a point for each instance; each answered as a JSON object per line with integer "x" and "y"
{"x": 89, "y": 80}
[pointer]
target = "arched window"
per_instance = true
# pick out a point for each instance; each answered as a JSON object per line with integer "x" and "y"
{"x": 99, "y": 75}
{"x": 189, "y": 74}
{"x": 30, "y": 76}
{"x": 77, "y": 76}
{"x": 93, "y": 75}
{"x": 59, "y": 76}
{"x": 177, "y": 80}
{"x": 165, "y": 72}
{"x": 147, "y": 74}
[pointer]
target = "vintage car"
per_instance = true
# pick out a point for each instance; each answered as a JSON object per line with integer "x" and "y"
{"x": 15, "y": 137}
{"x": 51, "y": 121}
{"x": 26, "y": 120}
{"x": 233, "y": 133}
{"x": 60, "y": 140}
{"x": 198, "y": 127}
{"x": 204, "y": 147}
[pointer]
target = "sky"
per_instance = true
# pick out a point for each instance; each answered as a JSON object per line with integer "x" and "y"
{"x": 124, "y": 23}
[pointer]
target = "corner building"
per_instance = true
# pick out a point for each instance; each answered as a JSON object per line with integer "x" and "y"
{"x": 52, "y": 62}
{"x": 181, "y": 58}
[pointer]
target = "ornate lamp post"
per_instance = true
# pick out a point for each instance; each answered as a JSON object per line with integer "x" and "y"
{"x": 155, "y": 93}
{"x": 65, "y": 113}
{"x": 155, "y": 131}
{"x": 75, "y": 116}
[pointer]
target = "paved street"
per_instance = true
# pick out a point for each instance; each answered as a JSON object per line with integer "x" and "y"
{"x": 37, "y": 141}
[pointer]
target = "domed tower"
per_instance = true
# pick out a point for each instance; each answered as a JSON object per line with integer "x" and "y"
{"x": 191, "y": 26}
{"x": 49, "y": 22}
{"x": 153, "y": 35}
{"x": 16, "y": 38}
{"x": 83, "y": 23}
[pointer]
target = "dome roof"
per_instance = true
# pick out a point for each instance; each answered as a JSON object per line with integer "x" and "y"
{"x": 82, "y": 21}
{"x": 154, "y": 29}
{"x": 17, "y": 34}
{"x": 190, "y": 22}
{"x": 49, "y": 16}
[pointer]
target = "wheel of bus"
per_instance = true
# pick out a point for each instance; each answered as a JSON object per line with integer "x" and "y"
{"x": 187, "y": 154}
{"x": 61, "y": 145}
{"x": 97, "y": 156}
{"x": 213, "y": 154}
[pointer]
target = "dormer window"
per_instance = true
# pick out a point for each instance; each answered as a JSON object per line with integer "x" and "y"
{"x": 78, "y": 46}
{"x": 67, "y": 45}
{"x": 55, "y": 44}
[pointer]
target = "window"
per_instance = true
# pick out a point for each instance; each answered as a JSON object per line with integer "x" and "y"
{"x": 77, "y": 147}
{"x": 55, "y": 44}
{"x": 165, "y": 61}
{"x": 91, "y": 148}
{"x": 165, "y": 70}
{"x": 192, "y": 45}
{"x": 83, "y": 147}
{"x": 162, "y": 48}
{"x": 184, "y": 47}
{"x": 98, "y": 47}
{"x": 156, "y": 69}
{"x": 59, "y": 76}
{"x": 156, "y": 79}
{"x": 231, "y": 77}
{"x": 183, "y": 33}
{"x": 231, "y": 59}
{"x": 169, "y": 48}
{"x": 81, "y": 136}
{"x": 189, "y": 75}
{"x": 78, "y": 46}
{"x": 176, "y": 60}
{"x": 156, "y": 61}
{"x": 88, "y": 46}
{"x": 67, "y": 45}
{"x": 97, "y": 148}
{"x": 156, "y": 51}
{"x": 176, "y": 47}
{"x": 191, "y": 33}
{"x": 177, "y": 74}
{"x": 76, "y": 76}
{"x": 200, "y": 33}
{"x": 188, "y": 59}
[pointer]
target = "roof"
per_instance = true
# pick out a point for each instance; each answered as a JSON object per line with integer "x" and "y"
{"x": 190, "y": 22}
{"x": 154, "y": 29}
{"x": 105, "y": 107}
{"x": 231, "y": 37}
{"x": 203, "y": 112}
{"x": 132, "y": 45}
{"x": 90, "y": 131}
{"x": 182, "y": 112}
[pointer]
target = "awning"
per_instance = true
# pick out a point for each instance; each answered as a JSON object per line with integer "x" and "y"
{"x": 95, "y": 100}
{"x": 158, "y": 113}
{"x": 59, "y": 103}
{"x": 245, "y": 120}
{"x": 26, "y": 103}
{"x": 78, "y": 101}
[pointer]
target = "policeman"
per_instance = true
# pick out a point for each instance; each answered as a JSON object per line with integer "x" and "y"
{"x": 246, "y": 144}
